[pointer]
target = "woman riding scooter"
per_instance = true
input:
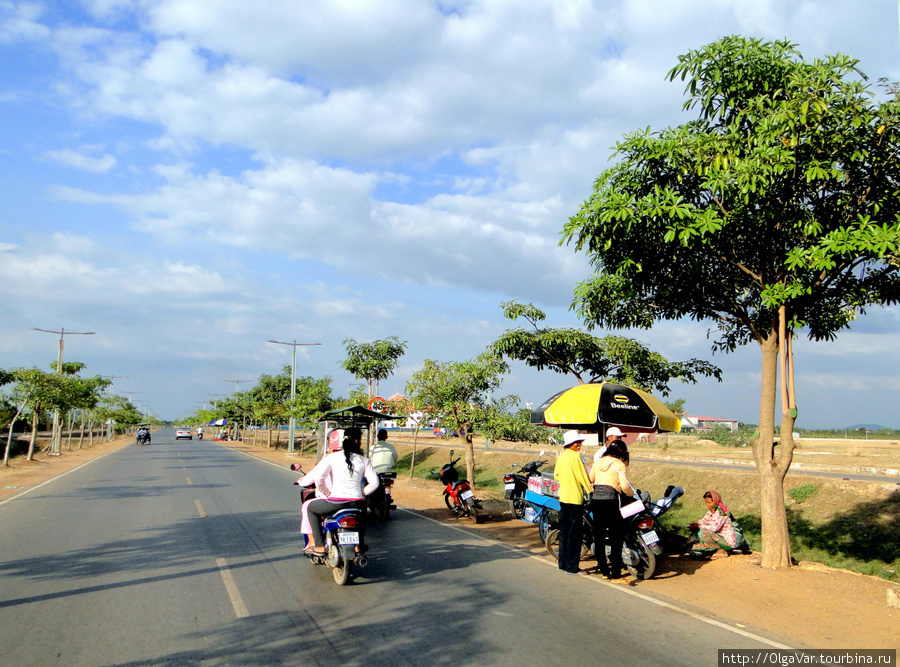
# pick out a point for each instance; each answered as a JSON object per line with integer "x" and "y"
{"x": 345, "y": 473}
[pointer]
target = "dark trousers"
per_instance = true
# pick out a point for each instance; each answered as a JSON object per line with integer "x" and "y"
{"x": 321, "y": 507}
{"x": 608, "y": 519}
{"x": 570, "y": 523}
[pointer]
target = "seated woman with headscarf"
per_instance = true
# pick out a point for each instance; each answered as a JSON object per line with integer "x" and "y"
{"x": 714, "y": 534}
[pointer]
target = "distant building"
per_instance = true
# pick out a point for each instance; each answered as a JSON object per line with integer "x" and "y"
{"x": 699, "y": 423}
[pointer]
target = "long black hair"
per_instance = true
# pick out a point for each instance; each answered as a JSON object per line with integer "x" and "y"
{"x": 351, "y": 445}
{"x": 618, "y": 450}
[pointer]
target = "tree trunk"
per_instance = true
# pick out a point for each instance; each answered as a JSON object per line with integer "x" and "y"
{"x": 412, "y": 464}
{"x": 34, "y": 425}
{"x": 71, "y": 417}
{"x": 9, "y": 435}
{"x": 269, "y": 441}
{"x": 470, "y": 457}
{"x": 9, "y": 441}
{"x": 81, "y": 431}
{"x": 776, "y": 546}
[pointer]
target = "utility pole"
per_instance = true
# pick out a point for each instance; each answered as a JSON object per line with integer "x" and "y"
{"x": 55, "y": 438}
{"x": 293, "y": 423}
{"x": 236, "y": 384}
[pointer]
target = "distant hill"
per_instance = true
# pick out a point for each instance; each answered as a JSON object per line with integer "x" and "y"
{"x": 871, "y": 427}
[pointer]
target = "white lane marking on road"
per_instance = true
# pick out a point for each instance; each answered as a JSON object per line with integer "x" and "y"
{"x": 200, "y": 509}
{"x": 190, "y": 483}
{"x": 240, "y": 609}
{"x": 610, "y": 586}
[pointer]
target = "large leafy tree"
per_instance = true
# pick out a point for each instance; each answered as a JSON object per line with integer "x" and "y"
{"x": 774, "y": 211}
{"x": 373, "y": 361}
{"x": 460, "y": 395}
{"x": 312, "y": 398}
{"x": 589, "y": 358}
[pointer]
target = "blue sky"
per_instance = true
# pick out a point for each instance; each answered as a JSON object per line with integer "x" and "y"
{"x": 191, "y": 179}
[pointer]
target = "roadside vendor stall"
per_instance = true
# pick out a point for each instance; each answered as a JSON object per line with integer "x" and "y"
{"x": 591, "y": 408}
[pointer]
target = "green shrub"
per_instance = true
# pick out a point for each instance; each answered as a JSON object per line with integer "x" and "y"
{"x": 803, "y": 492}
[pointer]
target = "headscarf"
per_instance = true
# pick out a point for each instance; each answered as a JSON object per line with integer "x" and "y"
{"x": 717, "y": 501}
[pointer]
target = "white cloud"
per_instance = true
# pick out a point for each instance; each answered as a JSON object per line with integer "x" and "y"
{"x": 70, "y": 158}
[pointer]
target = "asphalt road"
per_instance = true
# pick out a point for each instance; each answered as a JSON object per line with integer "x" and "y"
{"x": 187, "y": 552}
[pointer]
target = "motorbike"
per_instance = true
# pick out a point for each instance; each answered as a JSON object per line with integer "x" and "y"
{"x": 516, "y": 484}
{"x": 458, "y": 494}
{"x": 381, "y": 502}
{"x": 342, "y": 538}
{"x": 143, "y": 438}
{"x": 643, "y": 542}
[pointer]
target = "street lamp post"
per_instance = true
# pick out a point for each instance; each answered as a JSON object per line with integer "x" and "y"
{"x": 56, "y": 438}
{"x": 293, "y": 422}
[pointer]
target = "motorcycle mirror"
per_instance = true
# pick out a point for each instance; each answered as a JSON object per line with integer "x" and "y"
{"x": 451, "y": 453}
{"x": 296, "y": 466}
{"x": 433, "y": 471}
{"x": 542, "y": 453}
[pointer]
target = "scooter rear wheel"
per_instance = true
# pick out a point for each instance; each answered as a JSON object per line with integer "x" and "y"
{"x": 517, "y": 506}
{"x": 342, "y": 574}
{"x": 474, "y": 514}
{"x": 646, "y": 566}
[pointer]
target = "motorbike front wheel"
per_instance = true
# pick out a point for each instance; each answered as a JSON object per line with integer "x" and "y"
{"x": 646, "y": 565}
{"x": 451, "y": 503}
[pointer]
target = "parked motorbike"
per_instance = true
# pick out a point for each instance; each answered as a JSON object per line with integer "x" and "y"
{"x": 458, "y": 494}
{"x": 516, "y": 484}
{"x": 642, "y": 540}
{"x": 381, "y": 502}
{"x": 643, "y": 533}
{"x": 342, "y": 538}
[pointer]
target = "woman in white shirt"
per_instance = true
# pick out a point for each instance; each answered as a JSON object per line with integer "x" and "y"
{"x": 351, "y": 478}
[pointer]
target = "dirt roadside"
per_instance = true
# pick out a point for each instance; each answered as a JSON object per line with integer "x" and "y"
{"x": 809, "y": 606}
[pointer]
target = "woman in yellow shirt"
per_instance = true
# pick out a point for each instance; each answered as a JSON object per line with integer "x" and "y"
{"x": 573, "y": 484}
{"x": 610, "y": 484}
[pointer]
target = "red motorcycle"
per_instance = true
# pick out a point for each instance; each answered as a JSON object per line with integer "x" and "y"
{"x": 458, "y": 495}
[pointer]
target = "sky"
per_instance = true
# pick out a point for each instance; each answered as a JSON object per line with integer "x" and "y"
{"x": 190, "y": 179}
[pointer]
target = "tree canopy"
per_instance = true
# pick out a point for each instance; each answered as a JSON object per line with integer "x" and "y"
{"x": 775, "y": 210}
{"x": 592, "y": 359}
{"x": 373, "y": 361}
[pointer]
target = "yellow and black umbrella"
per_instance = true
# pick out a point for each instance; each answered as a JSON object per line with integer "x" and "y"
{"x": 591, "y": 406}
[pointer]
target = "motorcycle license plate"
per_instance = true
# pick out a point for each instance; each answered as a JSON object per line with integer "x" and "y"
{"x": 509, "y": 487}
{"x": 650, "y": 537}
{"x": 348, "y": 538}
{"x": 465, "y": 495}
